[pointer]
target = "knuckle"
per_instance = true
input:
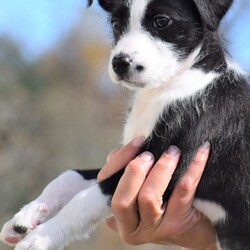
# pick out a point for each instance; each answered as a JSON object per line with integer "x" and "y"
{"x": 146, "y": 199}
{"x": 185, "y": 186}
{"x": 136, "y": 168}
{"x": 119, "y": 206}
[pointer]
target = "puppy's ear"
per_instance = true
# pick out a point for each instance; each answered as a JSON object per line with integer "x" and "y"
{"x": 212, "y": 11}
{"x": 107, "y": 5}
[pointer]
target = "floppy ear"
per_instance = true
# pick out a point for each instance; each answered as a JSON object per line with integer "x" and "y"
{"x": 107, "y": 5}
{"x": 212, "y": 11}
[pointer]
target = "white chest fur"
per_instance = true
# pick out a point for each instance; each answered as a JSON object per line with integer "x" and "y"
{"x": 148, "y": 104}
{"x": 143, "y": 117}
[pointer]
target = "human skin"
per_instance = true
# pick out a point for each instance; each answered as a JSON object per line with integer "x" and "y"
{"x": 139, "y": 213}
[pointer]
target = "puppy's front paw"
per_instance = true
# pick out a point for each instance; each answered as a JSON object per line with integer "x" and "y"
{"x": 27, "y": 219}
{"x": 44, "y": 237}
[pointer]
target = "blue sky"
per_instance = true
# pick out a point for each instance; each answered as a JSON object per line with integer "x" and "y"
{"x": 37, "y": 25}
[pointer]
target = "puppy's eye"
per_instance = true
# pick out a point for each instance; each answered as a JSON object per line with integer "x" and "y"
{"x": 116, "y": 25}
{"x": 162, "y": 22}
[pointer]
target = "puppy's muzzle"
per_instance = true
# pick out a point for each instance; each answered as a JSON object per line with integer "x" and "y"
{"x": 124, "y": 66}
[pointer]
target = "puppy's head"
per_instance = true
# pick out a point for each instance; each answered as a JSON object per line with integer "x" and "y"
{"x": 155, "y": 39}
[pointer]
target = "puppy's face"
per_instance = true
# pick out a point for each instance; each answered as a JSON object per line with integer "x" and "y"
{"x": 155, "y": 39}
{"x": 152, "y": 40}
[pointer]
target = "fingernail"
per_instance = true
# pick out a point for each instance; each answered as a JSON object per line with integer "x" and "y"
{"x": 147, "y": 156}
{"x": 138, "y": 141}
{"x": 205, "y": 146}
{"x": 173, "y": 151}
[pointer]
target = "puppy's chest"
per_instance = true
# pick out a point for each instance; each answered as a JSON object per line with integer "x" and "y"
{"x": 143, "y": 117}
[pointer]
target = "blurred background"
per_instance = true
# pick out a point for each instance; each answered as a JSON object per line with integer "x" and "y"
{"x": 58, "y": 108}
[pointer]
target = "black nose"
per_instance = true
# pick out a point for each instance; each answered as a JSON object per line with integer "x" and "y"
{"x": 121, "y": 64}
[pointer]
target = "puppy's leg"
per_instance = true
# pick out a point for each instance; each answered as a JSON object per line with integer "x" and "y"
{"x": 74, "y": 222}
{"x": 56, "y": 195}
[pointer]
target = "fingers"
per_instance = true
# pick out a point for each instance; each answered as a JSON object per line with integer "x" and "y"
{"x": 124, "y": 202}
{"x": 120, "y": 158}
{"x": 137, "y": 202}
{"x": 150, "y": 196}
{"x": 183, "y": 194}
{"x": 112, "y": 153}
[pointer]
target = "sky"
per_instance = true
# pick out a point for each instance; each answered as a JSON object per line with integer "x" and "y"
{"x": 37, "y": 25}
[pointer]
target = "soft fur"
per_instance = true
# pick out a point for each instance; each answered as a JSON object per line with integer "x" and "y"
{"x": 186, "y": 92}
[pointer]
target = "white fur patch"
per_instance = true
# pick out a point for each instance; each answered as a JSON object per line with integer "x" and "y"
{"x": 138, "y": 8}
{"x": 60, "y": 187}
{"x": 74, "y": 222}
{"x": 56, "y": 195}
{"x": 213, "y": 211}
{"x": 158, "y": 59}
{"x": 150, "y": 103}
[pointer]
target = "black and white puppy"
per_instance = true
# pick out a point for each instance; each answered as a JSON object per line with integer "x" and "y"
{"x": 186, "y": 92}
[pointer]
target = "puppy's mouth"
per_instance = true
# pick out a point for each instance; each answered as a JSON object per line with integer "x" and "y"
{"x": 130, "y": 83}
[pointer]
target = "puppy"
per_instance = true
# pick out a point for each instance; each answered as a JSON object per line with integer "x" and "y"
{"x": 186, "y": 91}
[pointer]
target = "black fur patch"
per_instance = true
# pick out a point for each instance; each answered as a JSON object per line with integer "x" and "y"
{"x": 186, "y": 29}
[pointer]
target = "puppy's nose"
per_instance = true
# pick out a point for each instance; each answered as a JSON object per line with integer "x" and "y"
{"x": 121, "y": 64}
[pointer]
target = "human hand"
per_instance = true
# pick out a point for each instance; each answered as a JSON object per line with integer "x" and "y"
{"x": 139, "y": 213}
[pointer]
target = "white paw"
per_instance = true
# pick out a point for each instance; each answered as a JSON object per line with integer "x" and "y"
{"x": 44, "y": 237}
{"x": 27, "y": 219}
